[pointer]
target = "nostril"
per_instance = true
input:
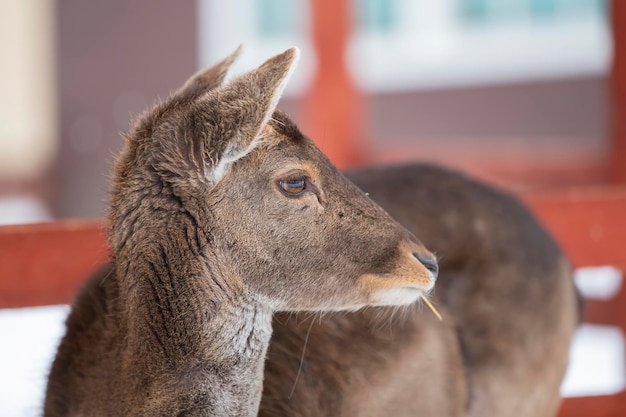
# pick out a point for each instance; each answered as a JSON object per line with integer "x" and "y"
{"x": 428, "y": 261}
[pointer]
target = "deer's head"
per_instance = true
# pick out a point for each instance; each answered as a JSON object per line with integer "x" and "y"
{"x": 282, "y": 222}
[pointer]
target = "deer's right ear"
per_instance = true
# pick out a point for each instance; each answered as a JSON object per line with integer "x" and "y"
{"x": 209, "y": 78}
{"x": 238, "y": 112}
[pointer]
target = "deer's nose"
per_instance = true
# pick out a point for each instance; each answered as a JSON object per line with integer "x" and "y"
{"x": 429, "y": 262}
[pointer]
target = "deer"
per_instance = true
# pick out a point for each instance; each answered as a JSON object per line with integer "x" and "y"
{"x": 250, "y": 277}
{"x": 221, "y": 213}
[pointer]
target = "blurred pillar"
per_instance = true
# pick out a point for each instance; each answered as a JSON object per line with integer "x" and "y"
{"x": 28, "y": 100}
{"x": 333, "y": 106}
{"x": 618, "y": 87}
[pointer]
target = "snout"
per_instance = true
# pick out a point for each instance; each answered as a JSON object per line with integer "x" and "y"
{"x": 429, "y": 262}
{"x": 414, "y": 275}
{"x": 420, "y": 268}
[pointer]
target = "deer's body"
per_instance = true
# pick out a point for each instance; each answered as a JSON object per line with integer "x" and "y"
{"x": 509, "y": 306}
{"x": 222, "y": 214}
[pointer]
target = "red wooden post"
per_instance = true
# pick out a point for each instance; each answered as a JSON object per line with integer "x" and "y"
{"x": 589, "y": 224}
{"x": 333, "y": 106}
{"x": 618, "y": 89}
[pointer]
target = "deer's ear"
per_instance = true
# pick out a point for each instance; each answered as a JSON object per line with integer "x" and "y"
{"x": 240, "y": 111}
{"x": 209, "y": 78}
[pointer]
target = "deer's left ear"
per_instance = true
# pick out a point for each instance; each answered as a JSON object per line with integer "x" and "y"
{"x": 238, "y": 112}
{"x": 209, "y": 78}
{"x": 202, "y": 82}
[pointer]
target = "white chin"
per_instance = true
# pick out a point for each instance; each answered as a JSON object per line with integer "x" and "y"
{"x": 395, "y": 296}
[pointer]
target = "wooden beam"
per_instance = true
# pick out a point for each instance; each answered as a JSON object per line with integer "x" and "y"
{"x": 599, "y": 406}
{"x": 589, "y": 223}
{"x": 46, "y": 263}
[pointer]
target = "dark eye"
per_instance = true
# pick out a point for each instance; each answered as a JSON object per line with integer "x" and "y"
{"x": 293, "y": 186}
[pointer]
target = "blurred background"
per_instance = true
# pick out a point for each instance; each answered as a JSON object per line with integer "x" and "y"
{"x": 528, "y": 94}
{"x": 514, "y": 91}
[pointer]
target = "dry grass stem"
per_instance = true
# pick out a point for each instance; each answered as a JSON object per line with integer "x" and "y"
{"x": 432, "y": 307}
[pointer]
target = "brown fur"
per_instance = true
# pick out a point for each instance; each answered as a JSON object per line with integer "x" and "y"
{"x": 509, "y": 308}
{"x": 207, "y": 244}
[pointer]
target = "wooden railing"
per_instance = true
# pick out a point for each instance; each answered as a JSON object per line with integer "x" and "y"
{"x": 590, "y": 225}
{"x": 46, "y": 263}
{"x": 43, "y": 264}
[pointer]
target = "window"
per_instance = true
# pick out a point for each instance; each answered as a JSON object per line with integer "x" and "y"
{"x": 421, "y": 44}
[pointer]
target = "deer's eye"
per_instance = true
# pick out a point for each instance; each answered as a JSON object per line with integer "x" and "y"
{"x": 293, "y": 187}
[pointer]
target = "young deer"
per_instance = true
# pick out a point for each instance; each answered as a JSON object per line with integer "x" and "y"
{"x": 509, "y": 306}
{"x": 221, "y": 213}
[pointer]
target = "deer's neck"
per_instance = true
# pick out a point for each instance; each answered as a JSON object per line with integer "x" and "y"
{"x": 189, "y": 320}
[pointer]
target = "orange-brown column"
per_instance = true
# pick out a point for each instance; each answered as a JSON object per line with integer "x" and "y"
{"x": 618, "y": 87}
{"x": 332, "y": 107}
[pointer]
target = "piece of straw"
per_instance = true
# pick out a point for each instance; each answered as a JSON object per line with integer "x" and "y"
{"x": 432, "y": 307}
